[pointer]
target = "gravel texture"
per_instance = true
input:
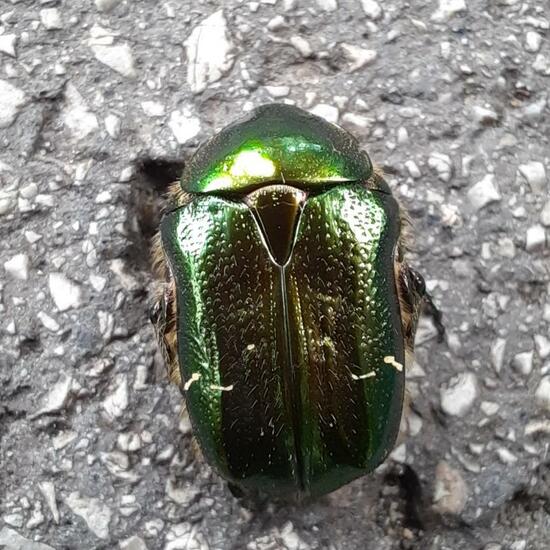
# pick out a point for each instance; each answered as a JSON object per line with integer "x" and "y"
{"x": 100, "y": 100}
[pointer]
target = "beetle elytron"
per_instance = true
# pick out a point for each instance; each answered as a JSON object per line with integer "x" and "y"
{"x": 287, "y": 307}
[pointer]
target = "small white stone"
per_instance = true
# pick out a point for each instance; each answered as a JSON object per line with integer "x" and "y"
{"x": 133, "y": 543}
{"x": 7, "y": 44}
{"x": 51, "y": 18}
{"x": 278, "y": 91}
{"x": 65, "y": 293}
{"x": 49, "y": 323}
{"x": 497, "y": 353}
{"x": 447, "y": 9}
{"x": 535, "y": 175}
{"x": 106, "y": 5}
{"x": 117, "y": 402}
{"x": 152, "y": 108}
{"x": 18, "y": 267}
{"x": 276, "y": 23}
{"x": 535, "y": 238}
{"x": 357, "y": 56}
{"x": 118, "y": 57}
{"x": 523, "y": 362}
{"x": 372, "y": 9}
{"x": 413, "y": 169}
{"x": 328, "y": 112}
{"x": 12, "y": 540}
{"x": 57, "y": 397}
{"x": 328, "y": 5}
{"x": 483, "y": 115}
{"x": 483, "y": 192}
{"x": 450, "y": 490}
{"x": 542, "y": 395}
{"x": 542, "y": 344}
{"x": 93, "y": 511}
{"x": 541, "y": 65}
{"x": 112, "y": 125}
{"x": 302, "y": 45}
{"x": 442, "y": 164}
{"x": 489, "y": 408}
{"x": 460, "y": 394}
{"x": 76, "y": 115}
{"x": 506, "y": 457}
{"x": 360, "y": 121}
{"x": 545, "y": 215}
{"x": 533, "y": 41}
{"x": 11, "y": 100}
{"x": 47, "y": 488}
{"x": 184, "y": 126}
{"x": 209, "y": 52}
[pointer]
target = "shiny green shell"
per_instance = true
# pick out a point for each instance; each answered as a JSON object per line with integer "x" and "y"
{"x": 289, "y": 329}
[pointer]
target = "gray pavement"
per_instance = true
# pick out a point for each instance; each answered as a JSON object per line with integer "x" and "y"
{"x": 448, "y": 96}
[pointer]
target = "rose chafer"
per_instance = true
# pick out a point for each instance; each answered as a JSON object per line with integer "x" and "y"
{"x": 287, "y": 309}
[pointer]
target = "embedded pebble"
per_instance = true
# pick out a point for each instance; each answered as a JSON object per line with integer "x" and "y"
{"x": 117, "y": 402}
{"x": 51, "y": 19}
{"x": 506, "y": 457}
{"x": 497, "y": 353}
{"x": 357, "y": 56}
{"x": 535, "y": 238}
{"x": 450, "y": 490}
{"x": 302, "y": 45}
{"x": 93, "y": 511}
{"x": 47, "y": 488}
{"x": 484, "y": 192}
{"x": 112, "y": 125}
{"x": 535, "y": 175}
{"x": 278, "y": 91}
{"x": 12, "y": 540}
{"x": 542, "y": 395}
{"x": 7, "y": 44}
{"x": 483, "y": 115}
{"x": 542, "y": 344}
{"x": 209, "y": 52}
{"x": 448, "y": 9}
{"x": 18, "y": 267}
{"x": 152, "y": 108}
{"x": 133, "y": 543}
{"x": 118, "y": 57}
{"x": 458, "y": 397}
{"x": 57, "y": 397}
{"x": 184, "y": 536}
{"x": 11, "y": 101}
{"x": 328, "y": 112}
{"x": 523, "y": 362}
{"x": 184, "y": 125}
{"x": 76, "y": 115}
{"x": 65, "y": 293}
{"x": 106, "y": 5}
{"x": 328, "y": 5}
{"x": 442, "y": 164}
{"x": 533, "y": 41}
{"x": 372, "y": 9}
{"x": 413, "y": 169}
{"x": 545, "y": 215}
{"x": 541, "y": 65}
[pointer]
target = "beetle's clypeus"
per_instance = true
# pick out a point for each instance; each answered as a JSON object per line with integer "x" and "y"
{"x": 287, "y": 307}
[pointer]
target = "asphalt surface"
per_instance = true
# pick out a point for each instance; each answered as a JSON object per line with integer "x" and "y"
{"x": 100, "y": 101}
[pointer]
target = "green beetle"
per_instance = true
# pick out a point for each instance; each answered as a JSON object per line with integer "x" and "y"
{"x": 287, "y": 310}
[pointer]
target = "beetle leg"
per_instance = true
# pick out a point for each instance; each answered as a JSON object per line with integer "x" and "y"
{"x": 163, "y": 315}
{"x": 414, "y": 300}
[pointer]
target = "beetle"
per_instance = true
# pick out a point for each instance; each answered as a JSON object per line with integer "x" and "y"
{"x": 286, "y": 310}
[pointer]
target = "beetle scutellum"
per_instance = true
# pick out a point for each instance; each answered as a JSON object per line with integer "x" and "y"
{"x": 287, "y": 309}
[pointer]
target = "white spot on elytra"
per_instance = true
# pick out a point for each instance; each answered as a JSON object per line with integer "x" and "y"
{"x": 371, "y": 374}
{"x": 390, "y": 360}
{"x": 221, "y": 388}
{"x": 194, "y": 378}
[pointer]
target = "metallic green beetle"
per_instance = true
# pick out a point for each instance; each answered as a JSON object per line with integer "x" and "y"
{"x": 287, "y": 308}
